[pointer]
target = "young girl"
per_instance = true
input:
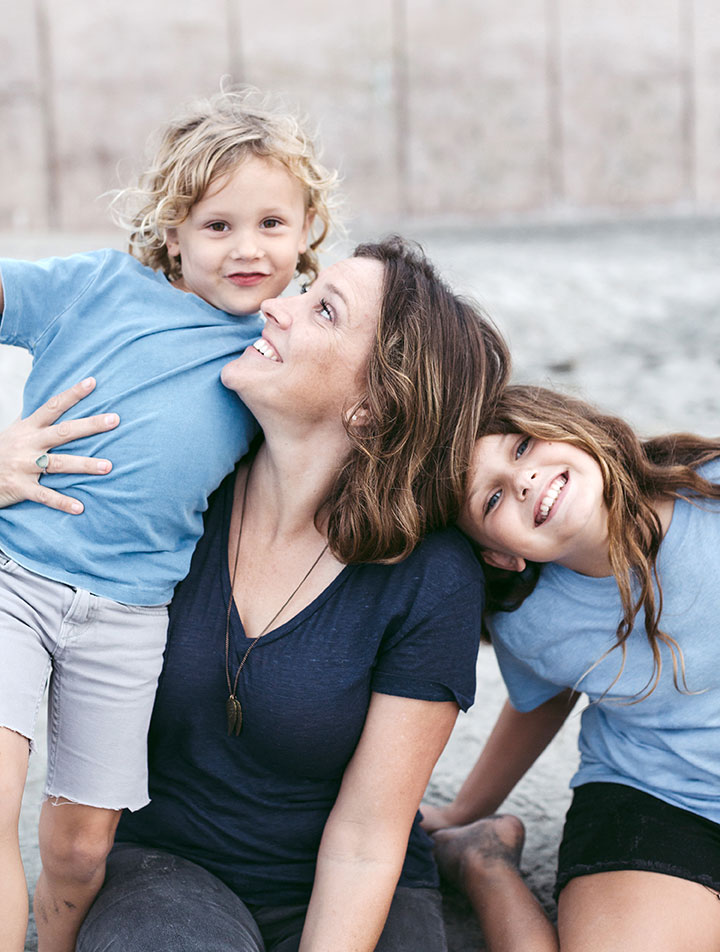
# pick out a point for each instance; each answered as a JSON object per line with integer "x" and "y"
{"x": 226, "y": 216}
{"x": 603, "y": 577}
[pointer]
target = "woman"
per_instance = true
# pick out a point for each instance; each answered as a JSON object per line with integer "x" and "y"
{"x": 319, "y": 650}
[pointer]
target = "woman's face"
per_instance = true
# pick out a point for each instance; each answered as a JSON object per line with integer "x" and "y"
{"x": 536, "y": 500}
{"x": 310, "y": 361}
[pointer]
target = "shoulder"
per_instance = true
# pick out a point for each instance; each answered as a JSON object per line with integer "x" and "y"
{"x": 444, "y": 561}
{"x": 710, "y": 470}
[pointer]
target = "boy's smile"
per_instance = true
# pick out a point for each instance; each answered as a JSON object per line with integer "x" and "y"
{"x": 240, "y": 243}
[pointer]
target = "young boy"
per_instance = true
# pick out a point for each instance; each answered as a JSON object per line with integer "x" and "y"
{"x": 225, "y": 219}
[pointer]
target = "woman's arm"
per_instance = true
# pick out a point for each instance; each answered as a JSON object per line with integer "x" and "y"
{"x": 366, "y": 835}
{"x": 24, "y": 441}
{"x": 516, "y": 741}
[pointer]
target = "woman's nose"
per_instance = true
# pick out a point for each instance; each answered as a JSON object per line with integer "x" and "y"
{"x": 276, "y": 310}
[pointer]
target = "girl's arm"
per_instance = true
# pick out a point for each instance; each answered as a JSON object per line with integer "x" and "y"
{"x": 516, "y": 741}
{"x": 366, "y": 835}
{"x": 24, "y": 441}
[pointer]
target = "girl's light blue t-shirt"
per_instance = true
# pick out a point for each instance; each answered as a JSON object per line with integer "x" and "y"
{"x": 668, "y": 744}
{"x": 156, "y": 353}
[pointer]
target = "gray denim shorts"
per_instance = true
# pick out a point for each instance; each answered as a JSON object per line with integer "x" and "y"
{"x": 102, "y": 660}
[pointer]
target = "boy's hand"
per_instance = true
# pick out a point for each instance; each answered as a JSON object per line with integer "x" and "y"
{"x": 26, "y": 441}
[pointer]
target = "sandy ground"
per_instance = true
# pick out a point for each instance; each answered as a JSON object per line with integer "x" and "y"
{"x": 626, "y": 314}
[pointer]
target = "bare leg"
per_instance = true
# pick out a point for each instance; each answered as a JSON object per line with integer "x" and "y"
{"x": 74, "y": 843}
{"x": 482, "y": 860}
{"x": 14, "y": 754}
{"x": 634, "y": 911}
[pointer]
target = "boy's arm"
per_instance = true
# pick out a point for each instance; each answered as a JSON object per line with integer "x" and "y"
{"x": 516, "y": 741}
{"x": 26, "y": 441}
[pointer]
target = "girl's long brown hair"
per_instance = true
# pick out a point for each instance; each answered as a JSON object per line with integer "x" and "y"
{"x": 436, "y": 368}
{"x": 635, "y": 473}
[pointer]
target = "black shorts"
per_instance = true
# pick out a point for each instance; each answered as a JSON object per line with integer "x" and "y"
{"x": 610, "y": 827}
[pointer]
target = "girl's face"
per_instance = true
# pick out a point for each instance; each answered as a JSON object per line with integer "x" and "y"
{"x": 536, "y": 500}
{"x": 241, "y": 241}
{"x": 310, "y": 361}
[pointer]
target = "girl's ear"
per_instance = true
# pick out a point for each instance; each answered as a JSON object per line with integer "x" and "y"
{"x": 502, "y": 560}
{"x": 171, "y": 242}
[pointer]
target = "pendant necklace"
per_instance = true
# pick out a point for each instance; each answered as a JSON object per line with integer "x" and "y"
{"x": 233, "y": 708}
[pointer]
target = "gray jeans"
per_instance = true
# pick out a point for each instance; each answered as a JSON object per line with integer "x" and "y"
{"x": 156, "y": 902}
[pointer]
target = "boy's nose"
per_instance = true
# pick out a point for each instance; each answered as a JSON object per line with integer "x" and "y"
{"x": 245, "y": 246}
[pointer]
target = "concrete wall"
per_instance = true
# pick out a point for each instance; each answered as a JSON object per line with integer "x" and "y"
{"x": 471, "y": 107}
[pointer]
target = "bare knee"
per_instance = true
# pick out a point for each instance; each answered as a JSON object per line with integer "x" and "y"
{"x": 75, "y": 840}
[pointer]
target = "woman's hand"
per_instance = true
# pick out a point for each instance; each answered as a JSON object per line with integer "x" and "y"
{"x": 26, "y": 441}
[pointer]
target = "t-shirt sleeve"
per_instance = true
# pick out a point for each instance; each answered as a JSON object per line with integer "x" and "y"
{"x": 526, "y": 688}
{"x": 38, "y": 293}
{"x": 434, "y": 657}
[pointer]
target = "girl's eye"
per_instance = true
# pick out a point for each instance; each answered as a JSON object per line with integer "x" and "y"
{"x": 492, "y": 502}
{"x": 522, "y": 447}
{"x": 217, "y": 226}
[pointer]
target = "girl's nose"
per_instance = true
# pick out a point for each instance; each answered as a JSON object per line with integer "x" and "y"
{"x": 524, "y": 480}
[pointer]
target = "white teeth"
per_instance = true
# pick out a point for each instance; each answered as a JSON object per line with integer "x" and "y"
{"x": 264, "y": 348}
{"x": 550, "y": 497}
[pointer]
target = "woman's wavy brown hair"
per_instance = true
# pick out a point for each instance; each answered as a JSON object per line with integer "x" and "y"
{"x": 209, "y": 139}
{"x": 436, "y": 367}
{"x": 635, "y": 473}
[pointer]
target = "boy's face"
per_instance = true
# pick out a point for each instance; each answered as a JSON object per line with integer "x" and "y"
{"x": 240, "y": 243}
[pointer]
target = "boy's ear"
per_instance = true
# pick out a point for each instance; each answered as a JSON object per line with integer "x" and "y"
{"x": 171, "y": 242}
{"x": 309, "y": 219}
{"x": 502, "y": 560}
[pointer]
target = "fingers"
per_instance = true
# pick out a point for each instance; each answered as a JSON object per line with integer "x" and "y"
{"x": 51, "y": 499}
{"x": 76, "y": 429}
{"x": 57, "y": 405}
{"x": 64, "y": 463}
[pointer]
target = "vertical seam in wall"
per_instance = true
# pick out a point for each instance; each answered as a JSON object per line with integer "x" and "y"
{"x": 553, "y": 86}
{"x": 47, "y": 115}
{"x": 236, "y": 60}
{"x": 402, "y": 123}
{"x": 688, "y": 116}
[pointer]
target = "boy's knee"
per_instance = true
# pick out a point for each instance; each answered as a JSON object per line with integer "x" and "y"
{"x": 73, "y": 849}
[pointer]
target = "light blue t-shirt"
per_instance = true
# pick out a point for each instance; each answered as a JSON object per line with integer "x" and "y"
{"x": 156, "y": 353}
{"x": 667, "y": 745}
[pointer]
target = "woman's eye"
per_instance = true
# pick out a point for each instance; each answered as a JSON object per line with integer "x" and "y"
{"x": 522, "y": 447}
{"x": 217, "y": 226}
{"x": 326, "y": 310}
{"x": 492, "y": 502}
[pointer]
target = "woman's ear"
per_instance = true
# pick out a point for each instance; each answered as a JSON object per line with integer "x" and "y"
{"x": 503, "y": 560}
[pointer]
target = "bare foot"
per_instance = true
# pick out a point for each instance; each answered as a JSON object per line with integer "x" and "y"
{"x": 485, "y": 848}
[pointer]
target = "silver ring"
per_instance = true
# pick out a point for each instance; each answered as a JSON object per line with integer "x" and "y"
{"x": 42, "y": 462}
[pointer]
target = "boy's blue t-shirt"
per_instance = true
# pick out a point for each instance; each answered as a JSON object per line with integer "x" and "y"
{"x": 252, "y": 808}
{"x": 667, "y": 745}
{"x": 156, "y": 353}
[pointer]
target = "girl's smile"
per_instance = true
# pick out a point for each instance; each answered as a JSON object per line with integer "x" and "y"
{"x": 536, "y": 500}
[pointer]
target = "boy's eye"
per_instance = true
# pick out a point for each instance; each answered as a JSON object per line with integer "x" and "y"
{"x": 522, "y": 446}
{"x": 492, "y": 502}
{"x": 271, "y": 223}
{"x": 217, "y": 226}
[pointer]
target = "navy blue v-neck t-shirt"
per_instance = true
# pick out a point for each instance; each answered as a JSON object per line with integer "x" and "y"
{"x": 251, "y": 809}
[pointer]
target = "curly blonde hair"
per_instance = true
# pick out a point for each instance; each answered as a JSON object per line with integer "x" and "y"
{"x": 206, "y": 141}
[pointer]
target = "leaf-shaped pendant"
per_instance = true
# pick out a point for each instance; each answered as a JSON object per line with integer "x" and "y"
{"x": 234, "y": 715}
